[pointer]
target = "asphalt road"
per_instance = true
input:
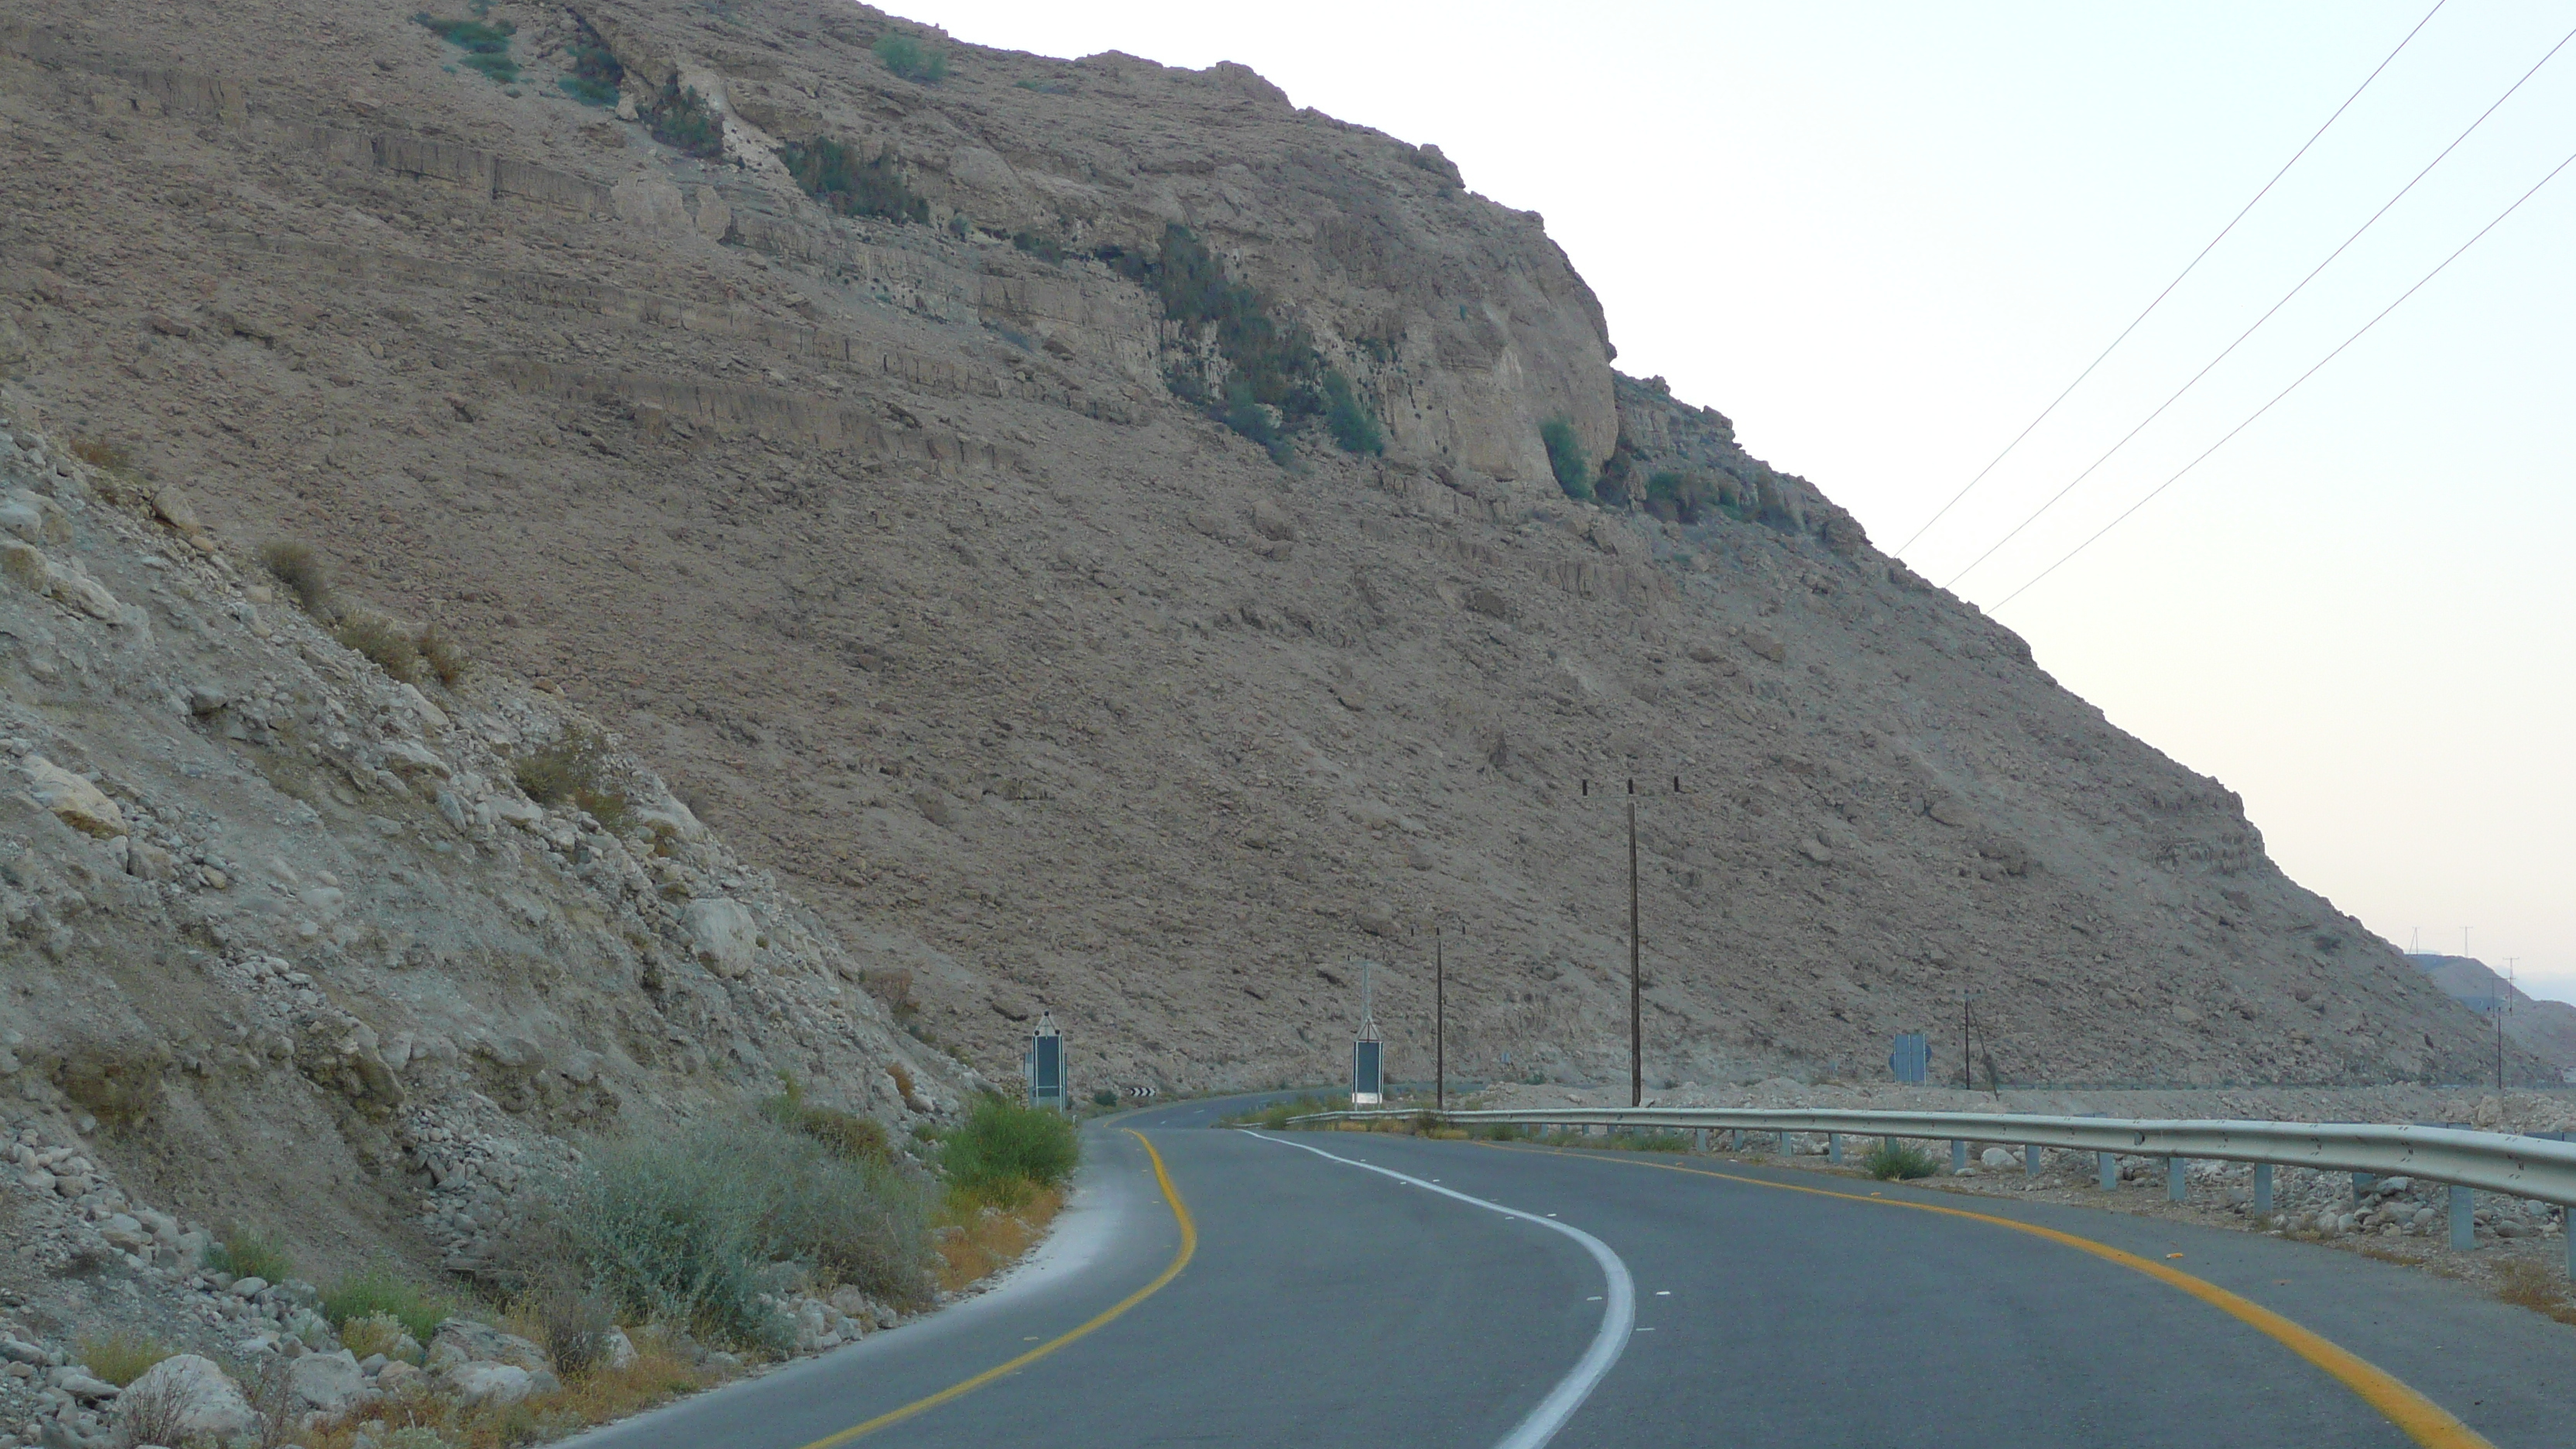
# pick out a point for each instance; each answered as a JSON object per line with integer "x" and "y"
{"x": 1325, "y": 1303}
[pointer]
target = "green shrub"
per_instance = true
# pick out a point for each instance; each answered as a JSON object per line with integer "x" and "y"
{"x": 1250, "y": 419}
{"x": 1039, "y": 245}
{"x": 830, "y": 173}
{"x": 1565, "y": 457}
{"x": 1104, "y": 1098}
{"x": 688, "y": 1227}
{"x": 575, "y": 770}
{"x": 1499, "y": 1131}
{"x": 847, "y": 1134}
{"x": 248, "y": 1253}
{"x": 571, "y": 1324}
{"x": 911, "y": 59}
{"x": 380, "y": 1333}
{"x": 1348, "y": 417}
{"x": 300, "y": 569}
{"x": 380, "y": 1291}
{"x": 120, "y": 1357}
{"x": 595, "y": 74}
{"x": 1897, "y": 1161}
{"x": 683, "y": 121}
{"x": 1003, "y": 1144}
{"x": 486, "y": 43}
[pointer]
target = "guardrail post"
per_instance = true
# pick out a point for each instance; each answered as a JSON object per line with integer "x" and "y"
{"x": 2361, "y": 1182}
{"x": 2031, "y": 1153}
{"x": 1702, "y": 1135}
{"x": 2177, "y": 1188}
{"x": 2262, "y": 1189}
{"x": 1784, "y": 1146}
{"x": 2110, "y": 1171}
{"x": 2464, "y": 1217}
{"x": 1958, "y": 1154}
{"x": 1834, "y": 1155}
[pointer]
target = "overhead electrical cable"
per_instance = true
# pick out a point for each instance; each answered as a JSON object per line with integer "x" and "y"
{"x": 2259, "y": 321}
{"x": 2176, "y": 282}
{"x": 2294, "y": 383}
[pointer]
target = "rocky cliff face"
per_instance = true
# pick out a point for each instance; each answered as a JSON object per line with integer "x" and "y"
{"x": 289, "y": 946}
{"x": 885, "y": 461}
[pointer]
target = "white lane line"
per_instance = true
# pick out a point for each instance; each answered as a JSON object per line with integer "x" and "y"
{"x": 1618, "y": 1315}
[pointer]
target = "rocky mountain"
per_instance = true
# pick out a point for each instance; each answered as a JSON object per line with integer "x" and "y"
{"x": 2545, "y": 1028}
{"x": 1115, "y": 542}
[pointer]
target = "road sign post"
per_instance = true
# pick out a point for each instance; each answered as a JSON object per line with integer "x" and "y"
{"x": 1047, "y": 1086}
{"x": 1368, "y": 1053}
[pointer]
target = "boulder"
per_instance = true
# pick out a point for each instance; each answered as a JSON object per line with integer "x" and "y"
{"x": 482, "y": 1343}
{"x": 190, "y": 1394}
{"x": 616, "y": 1349}
{"x": 652, "y": 204}
{"x": 326, "y": 1383}
{"x": 412, "y": 761}
{"x": 489, "y": 1385}
{"x": 1996, "y": 1157}
{"x": 1272, "y": 522}
{"x": 723, "y": 935}
{"x": 80, "y": 804}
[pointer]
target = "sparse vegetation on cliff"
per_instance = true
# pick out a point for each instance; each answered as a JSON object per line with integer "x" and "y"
{"x": 485, "y": 43}
{"x": 685, "y": 122}
{"x": 1565, "y": 457}
{"x": 910, "y": 59}
{"x": 1353, "y": 426}
{"x": 833, "y": 175}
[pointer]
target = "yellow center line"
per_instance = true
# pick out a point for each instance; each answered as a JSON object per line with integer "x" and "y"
{"x": 1171, "y": 1270}
{"x": 2422, "y": 1420}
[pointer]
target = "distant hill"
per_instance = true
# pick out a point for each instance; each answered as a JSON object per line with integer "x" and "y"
{"x": 2545, "y": 1027}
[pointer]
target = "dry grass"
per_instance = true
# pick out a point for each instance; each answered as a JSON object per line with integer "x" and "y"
{"x": 977, "y": 1239}
{"x": 445, "y": 657}
{"x": 574, "y": 770}
{"x": 121, "y": 1358}
{"x": 2536, "y": 1287}
{"x": 383, "y": 639}
{"x": 298, "y": 567}
{"x": 657, "y": 1376}
{"x": 100, "y": 453}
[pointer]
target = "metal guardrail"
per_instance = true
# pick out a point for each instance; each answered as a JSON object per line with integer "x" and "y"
{"x": 2524, "y": 1167}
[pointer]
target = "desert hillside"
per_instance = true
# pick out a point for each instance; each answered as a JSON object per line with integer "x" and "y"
{"x": 1091, "y": 529}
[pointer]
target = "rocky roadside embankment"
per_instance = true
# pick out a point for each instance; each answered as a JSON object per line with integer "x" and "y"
{"x": 295, "y": 954}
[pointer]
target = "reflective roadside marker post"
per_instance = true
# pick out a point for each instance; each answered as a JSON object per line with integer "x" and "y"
{"x": 1958, "y": 1155}
{"x": 2177, "y": 1187}
{"x": 1046, "y": 1066}
{"x": 2110, "y": 1172}
{"x": 2464, "y": 1217}
{"x": 1368, "y": 1070}
{"x": 1834, "y": 1148}
{"x": 2262, "y": 1189}
{"x": 1368, "y": 1054}
{"x": 2030, "y": 1160}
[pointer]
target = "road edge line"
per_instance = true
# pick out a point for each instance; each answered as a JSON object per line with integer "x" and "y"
{"x": 1618, "y": 1308}
{"x": 1171, "y": 1270}
{"x": 2415, "y": 1415}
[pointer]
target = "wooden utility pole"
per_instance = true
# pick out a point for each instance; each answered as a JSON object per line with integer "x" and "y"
{"x": 1439, "y": 1024}
{"x": 1636, "y": 988}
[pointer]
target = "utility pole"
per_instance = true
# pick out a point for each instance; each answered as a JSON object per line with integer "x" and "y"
{"x": 2499, "y": 1024}
{"x": 1636, "y": 978}
{"x": 1439, "y": 1024}
{"x": 1636, "y": 989}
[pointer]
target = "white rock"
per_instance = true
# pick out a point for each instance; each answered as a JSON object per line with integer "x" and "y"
{"x": 82, "y": 805}
{"x": 327, "y": 1383}
{"x": 206, "y": 1403}
{"x": 1996, "y": 1157}
{"x": 410, "y": 760}
{"x": 490, "y": 1385}
{"x": 617, "y": 1348}
{"x": 723, "y": 934}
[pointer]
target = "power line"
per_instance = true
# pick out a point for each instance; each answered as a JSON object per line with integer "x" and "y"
{"x": 2176, "y": 282}
{"x": 2285, "y": 392}
{"x": 2195, "y": 378}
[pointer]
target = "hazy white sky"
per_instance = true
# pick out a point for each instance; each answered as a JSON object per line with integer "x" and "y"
{"x": 1882, "y": 237}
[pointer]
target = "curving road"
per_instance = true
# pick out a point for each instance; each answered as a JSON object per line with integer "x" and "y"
{"x": 1341, "y": 1288}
